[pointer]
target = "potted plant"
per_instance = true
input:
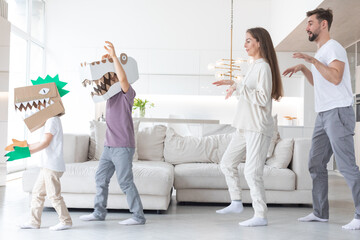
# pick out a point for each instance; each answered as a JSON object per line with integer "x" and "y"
{"x": 141, "y": 105}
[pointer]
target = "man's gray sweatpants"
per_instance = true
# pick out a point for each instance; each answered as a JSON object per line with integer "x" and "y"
{"x": 333, "y": 133}
{"x": 117, "y": 160}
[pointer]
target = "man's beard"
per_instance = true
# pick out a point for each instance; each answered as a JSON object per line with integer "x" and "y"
{"x": 313, "y": 37}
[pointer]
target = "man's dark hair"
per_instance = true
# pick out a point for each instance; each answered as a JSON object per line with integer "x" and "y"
{"x": 322, "y": 14}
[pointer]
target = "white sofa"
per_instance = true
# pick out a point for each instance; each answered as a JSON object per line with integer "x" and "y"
{"x": 167, "y": 160}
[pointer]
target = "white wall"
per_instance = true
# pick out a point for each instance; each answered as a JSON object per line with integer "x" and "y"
{"x": 173, "y": 42}
{"x": 287, "y": 14}
{"x": 167, "y": 37}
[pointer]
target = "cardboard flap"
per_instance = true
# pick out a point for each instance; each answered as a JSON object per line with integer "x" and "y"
{"x": 38, "y": 120}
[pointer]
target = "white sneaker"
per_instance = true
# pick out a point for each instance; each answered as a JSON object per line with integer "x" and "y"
{"x": 28, "y": 226}
{"x": 59, "y": 227}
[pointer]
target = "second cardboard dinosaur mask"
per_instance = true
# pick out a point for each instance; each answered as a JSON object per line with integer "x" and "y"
{"x": 40, "y": 102}
{"x": 100, "y": 76}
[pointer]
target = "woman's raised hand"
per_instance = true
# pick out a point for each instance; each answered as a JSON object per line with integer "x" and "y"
{"x": 223, "y": 82}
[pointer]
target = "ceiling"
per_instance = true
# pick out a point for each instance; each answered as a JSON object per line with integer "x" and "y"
{"x": 345, "y": 27}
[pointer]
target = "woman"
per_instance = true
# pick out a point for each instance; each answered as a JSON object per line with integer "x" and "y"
{"x": 254, "y": 125}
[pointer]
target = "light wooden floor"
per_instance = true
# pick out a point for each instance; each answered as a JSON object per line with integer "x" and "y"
{"x": 182, "y": 221}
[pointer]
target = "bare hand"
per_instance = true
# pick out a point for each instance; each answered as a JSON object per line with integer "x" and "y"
{"x": 223, "y": 82}
{"x": 292, "y": 70}
{"x": 306, "y": 57}
{"x": 229, "y": 92}
{"x": 110, "y": 49}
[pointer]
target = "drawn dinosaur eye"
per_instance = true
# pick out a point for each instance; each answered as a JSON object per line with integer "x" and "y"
{"x": 44, "y": 91}
{"x": 123, "y": 58}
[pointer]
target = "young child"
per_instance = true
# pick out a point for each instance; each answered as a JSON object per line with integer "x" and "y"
{"x": 48, "y": 181}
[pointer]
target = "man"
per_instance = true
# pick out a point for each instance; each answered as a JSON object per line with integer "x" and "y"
{"x": 119, "y": 148}
{"x": 335, "y": 122}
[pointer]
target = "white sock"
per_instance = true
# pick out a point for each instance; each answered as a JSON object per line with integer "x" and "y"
{"x": 130, "y": 221}
{"x": 254, "y": 222}
{"x": 89, "y": 217}
{"x": 353, "y": 225}
{"x": 312, "y": 218}
{"x": 234, "y": 207}
{"x": 59, "y": 227}
{"x": 28, "y": 226}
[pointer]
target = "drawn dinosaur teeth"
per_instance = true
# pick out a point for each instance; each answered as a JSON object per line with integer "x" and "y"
{"x": 107, "y": 81}
{"x": 103, "y": 87}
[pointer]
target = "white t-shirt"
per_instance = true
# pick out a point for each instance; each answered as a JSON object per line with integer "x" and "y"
{"x": 52, "y": 157}
{"x": 328, "y": 95}
{"x": 253, "y": 111}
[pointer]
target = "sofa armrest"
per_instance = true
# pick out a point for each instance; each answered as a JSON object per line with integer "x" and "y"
{"x": 76, "y": 147}
{"x": 299, "y": 163}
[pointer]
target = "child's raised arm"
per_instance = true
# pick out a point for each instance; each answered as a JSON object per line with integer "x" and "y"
{"x": 118, "y": 68}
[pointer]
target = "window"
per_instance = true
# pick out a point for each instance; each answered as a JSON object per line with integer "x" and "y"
{"x": 18, "y": 13}
{"x": 37, "y": 19}
{"x": 27, "y": 54}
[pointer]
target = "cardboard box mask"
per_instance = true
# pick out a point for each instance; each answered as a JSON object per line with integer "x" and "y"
{"x": 40, "y": 102}
{"x": 101, "y": 79}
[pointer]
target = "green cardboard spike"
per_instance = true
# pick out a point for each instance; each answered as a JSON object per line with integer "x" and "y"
{"x": 18, "y": 153}
{"x": 59, "y": 84}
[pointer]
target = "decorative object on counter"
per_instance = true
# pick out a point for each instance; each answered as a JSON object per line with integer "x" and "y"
{"x": 141, "y": 105}
{"x": 229, "y": 69}
{"x": 102, "y": 118}
{"x": 290, "y": 121}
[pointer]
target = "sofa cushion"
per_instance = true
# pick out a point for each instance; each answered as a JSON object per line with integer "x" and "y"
{"x": 191, "y": 149}
{"x": 150, "y": 143}
{"x": 282, "y": 154}
{"x": 75, "y": 148}
{"x": 209, "y": 176}
{"x": 97, "y": 139}
{"x": 153, "y": 178}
